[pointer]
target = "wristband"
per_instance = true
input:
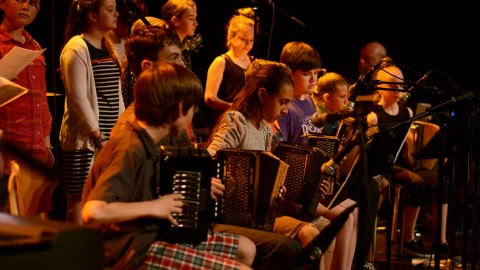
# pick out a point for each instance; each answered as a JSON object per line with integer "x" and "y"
{"x": 99, "y": 139}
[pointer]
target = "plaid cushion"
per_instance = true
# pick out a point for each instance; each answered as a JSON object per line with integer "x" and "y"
{"x": 218, "y": 252}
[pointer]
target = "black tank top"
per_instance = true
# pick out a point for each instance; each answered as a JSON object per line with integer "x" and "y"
{"x": 386, "y": 145}
{"x": 233, "y": 81}
{"x": 385, "y": 118}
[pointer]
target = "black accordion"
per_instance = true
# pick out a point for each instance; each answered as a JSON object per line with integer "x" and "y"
{"x": 253, "y": 180}
{"x": 327, "y": 143}
{"x": 303, "y": 178}
{"x": 187, "y": 171}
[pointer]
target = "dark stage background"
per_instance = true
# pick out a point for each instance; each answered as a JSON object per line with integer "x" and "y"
{"x": 422, "y": 35}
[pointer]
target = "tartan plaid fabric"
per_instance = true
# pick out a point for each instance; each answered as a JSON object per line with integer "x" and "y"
{"x": 218, "y": 253}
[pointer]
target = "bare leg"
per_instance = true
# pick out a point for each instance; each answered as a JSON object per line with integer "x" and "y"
{"x": 443, "y": 224}
{"x": 409, "y": 221}
{"x": 74, "y": 209}
{"x": 346, "y": 238}
{"x": 326, "y": 260}
{"x": 306, "y": 234}
{"x": 246, "y": 251}
{"x": 383, "y": 183}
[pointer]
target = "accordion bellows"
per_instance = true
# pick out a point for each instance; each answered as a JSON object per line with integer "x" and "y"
{"x": 303, "y": 179}
{"x": 253, "y": 180}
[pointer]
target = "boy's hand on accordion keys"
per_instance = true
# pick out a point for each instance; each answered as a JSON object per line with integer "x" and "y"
{"x": 167, "y": 205}
{"x": 217, "y": 189}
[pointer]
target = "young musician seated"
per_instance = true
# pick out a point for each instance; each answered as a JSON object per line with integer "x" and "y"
{"x": 153, "y": 44}
{"x": 120, "y": 195}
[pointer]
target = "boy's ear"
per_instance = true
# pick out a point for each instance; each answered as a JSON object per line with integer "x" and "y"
{"x": 146, "y": 64}
{"x": 180, "y": 109}
{"x": 326, "y": 97}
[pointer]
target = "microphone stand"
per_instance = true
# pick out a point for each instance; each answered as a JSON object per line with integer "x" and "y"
{"x": 284, "y": 13}
{"x": 134, "y": 11}
{"x": 472, "y": 149}
{"x": 279, "y": 10}
{"x": 365, "y": 190}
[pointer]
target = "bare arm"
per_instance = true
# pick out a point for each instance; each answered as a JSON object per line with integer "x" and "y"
{"x": 230, "y": 133}
{"x": 100, "y": 212}
{"x": 372, "y": 119}
{"x": 214, "y": 79}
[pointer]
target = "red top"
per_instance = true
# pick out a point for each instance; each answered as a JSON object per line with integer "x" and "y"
{"x": 26, "y": 121}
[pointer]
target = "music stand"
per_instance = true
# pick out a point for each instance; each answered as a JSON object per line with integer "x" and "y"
{"x": 441, "y": 157}
{"x": 389, "y": 143}
{"x": 436, "y": 148}
{"x": 432, "y": 149}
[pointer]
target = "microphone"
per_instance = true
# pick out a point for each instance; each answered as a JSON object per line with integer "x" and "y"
{"x": 321, "y": 119}
{"x": 268, "y": 2}
{"x": 361, "y": 85}
{"x": 406, "y": 95}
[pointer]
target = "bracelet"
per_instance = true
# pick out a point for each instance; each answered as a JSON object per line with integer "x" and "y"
{"x": 99, "y": 139}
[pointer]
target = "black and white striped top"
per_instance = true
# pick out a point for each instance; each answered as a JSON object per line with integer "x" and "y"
{"x": 106, "y": 74}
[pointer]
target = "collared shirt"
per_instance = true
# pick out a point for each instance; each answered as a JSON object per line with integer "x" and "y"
{"x": 126, "y": 170}
{"x": 26, "y": 121}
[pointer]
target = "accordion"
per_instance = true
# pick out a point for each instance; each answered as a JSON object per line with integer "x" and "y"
{"x": 328, "y": 144}
{"x": 187, "y": 171}
{"x": 349, "y": 165}
{"x": 422, "y": 134}
{"x": 252, "y": 180}
{"x": 346, "y": 132}
{"x": 303, "y": 178}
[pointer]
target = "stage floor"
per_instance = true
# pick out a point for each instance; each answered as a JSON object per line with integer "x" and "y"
{"x": 407, "y": 263}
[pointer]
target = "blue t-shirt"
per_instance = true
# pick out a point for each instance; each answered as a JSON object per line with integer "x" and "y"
{"x": 298, "y": 121}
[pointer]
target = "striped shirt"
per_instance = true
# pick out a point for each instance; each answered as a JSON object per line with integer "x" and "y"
{"x": 106, "y": 74}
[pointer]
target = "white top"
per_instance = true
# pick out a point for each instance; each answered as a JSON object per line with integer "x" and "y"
{"x": 81, "y": 113}
{"x": 235, "y": 131}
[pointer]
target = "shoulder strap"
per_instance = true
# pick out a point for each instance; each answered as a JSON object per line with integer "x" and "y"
{"x": 228, "y": 63}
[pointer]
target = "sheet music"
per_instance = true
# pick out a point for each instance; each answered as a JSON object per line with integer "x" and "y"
{"x": 10, "y": 91}
{"x": 16, "y": 60}
{"x": 10, "y": 66}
